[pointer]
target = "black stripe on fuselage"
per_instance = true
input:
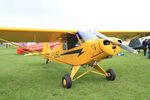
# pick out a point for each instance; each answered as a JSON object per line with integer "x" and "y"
{"x": 79, "y": 52}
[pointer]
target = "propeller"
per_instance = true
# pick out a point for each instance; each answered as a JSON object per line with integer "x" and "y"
{"x": 125, "y": 47}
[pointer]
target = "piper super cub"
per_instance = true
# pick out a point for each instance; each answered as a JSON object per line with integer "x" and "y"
{"x": 77, "y": 48}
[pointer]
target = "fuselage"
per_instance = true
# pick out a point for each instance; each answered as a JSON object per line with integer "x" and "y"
{"x": 85, "y": 53}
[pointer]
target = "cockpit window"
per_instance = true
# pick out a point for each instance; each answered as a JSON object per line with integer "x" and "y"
{"x": 85, "y": 35}
{"x": 70, "y": 41}
{"x": 74, "y": 40}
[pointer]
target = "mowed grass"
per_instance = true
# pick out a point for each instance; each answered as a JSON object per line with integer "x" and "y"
{"x": 29, "y": 78}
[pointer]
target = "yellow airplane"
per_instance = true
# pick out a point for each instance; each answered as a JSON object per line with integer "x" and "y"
{"x": 77, "y": 48}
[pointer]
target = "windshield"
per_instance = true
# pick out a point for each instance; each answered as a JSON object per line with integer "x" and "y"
{"x": 85, "y": 35}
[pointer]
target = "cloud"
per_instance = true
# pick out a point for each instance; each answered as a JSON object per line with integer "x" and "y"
{"x": 99, "y": 14}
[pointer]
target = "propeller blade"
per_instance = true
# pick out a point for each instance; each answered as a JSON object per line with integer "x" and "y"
{"x": 100, "y": 35}
{"x": 125, "y": 47}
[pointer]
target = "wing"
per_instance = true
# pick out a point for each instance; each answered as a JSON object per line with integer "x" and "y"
{"x": 52, "y": 35}
{"x": 32, "y": 34}
{"x": 126, "y": 34}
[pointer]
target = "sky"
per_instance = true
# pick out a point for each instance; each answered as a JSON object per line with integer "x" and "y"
{"x": 76, "y": 14}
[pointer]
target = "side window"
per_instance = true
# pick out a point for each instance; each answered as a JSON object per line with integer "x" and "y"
{"x": 72, "y": 41}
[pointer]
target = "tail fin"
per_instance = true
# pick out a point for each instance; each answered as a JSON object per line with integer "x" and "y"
{"x": 46, "y": 48}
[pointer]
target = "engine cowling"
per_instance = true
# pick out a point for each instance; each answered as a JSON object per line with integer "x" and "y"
{"x": 109, "y": 48}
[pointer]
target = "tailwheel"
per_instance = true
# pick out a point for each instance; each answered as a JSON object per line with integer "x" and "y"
{"x": 66, "y": 81}
{"x": 47, "y": 60}
{"x": 111, "y": 75}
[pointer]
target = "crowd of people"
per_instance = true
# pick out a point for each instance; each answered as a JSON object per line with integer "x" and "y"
{"x": 146, "y": 45}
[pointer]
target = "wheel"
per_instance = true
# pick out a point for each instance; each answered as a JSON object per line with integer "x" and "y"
{"x": 111, "y": 75}
{"x": 66, "y": 81}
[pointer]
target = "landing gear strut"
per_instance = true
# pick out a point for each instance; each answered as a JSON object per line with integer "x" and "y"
{"x": 111, "y": 75}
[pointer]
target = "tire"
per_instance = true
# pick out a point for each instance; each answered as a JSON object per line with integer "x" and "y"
{"x": 47, "y": 60}
{"x": 66, "y": 81}
{"x": 112, "y": 75}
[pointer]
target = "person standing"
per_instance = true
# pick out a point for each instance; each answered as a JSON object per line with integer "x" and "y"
{"x": 144, "y": 45}
{"x": 148, "y": 43}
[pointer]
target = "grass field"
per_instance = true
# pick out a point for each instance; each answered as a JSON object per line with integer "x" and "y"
{"x": 29, "y": 78}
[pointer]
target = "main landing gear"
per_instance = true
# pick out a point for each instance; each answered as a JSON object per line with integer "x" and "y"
{"x": 68, "y": 79}
{"x": 111, "y": 75}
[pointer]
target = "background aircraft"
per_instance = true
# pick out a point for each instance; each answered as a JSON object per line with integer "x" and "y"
{"x": 137, "y": 42}
{"x": 76, "y": 48}
{"x": 31, "y": 47}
